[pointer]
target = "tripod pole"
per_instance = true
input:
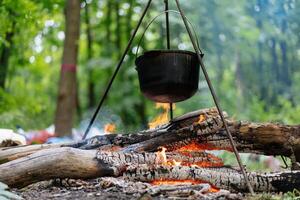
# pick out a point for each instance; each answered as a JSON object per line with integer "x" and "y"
{"x": 215, "y": 99}
{"x": 116, "y": 70}
{"x": 168, "y": 45}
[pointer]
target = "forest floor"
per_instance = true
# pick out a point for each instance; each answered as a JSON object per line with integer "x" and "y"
{"x": 92, "y": 190}
{"x": 50, "y": 190}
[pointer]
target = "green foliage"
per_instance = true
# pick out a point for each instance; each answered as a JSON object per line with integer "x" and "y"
{"x": 293, "y": 195}
{"x": 251, "y": 52}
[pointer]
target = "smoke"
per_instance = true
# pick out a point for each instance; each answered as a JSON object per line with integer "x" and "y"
{"x": 105, "y": 116}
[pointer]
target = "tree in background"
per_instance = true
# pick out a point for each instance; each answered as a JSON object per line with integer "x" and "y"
{"x": 5, "y": 53}
{"x": 67, "y": 95}
{"x": 251, "y": 50}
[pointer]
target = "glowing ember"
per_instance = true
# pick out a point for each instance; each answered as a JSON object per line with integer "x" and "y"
{"x": 187, "y": 150}
{"x": 109, "y": 128}
{"x": 176, "y": 163}
{"x": 175, "y": 182}
{"x": 162, "y": 118}
{"x": 184, "y": 182}
{"x": 194, "y": 146}
{"x": 201, "y": 119}
{"x": 213, "y": 161}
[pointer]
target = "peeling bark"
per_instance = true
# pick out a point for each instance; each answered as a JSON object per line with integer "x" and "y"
{"x": 68, "y": 162}
{"x": 228, "y": 179}
{"x": 261, "y": 138}
{"x": 132, "y": 157}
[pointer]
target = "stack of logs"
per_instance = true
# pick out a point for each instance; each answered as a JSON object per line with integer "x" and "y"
{"x": 141, "y": 156}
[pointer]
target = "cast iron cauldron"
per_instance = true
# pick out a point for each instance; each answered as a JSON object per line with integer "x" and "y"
{"x": 168, "y": 76}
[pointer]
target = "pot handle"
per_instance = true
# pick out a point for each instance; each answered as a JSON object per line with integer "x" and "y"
{"x": 169, "y": 11}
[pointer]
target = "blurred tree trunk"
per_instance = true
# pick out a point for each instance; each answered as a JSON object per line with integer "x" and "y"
{"x": 283, "y": 47}
{"x": 274, "y": 58}
{"x": 217, "y": 41}
{"x": 91, "y": 84}
{"x": 118, "y": 29}
{"x": 285, "y": 78}
{"x": 66, "y": 102}
{"x": 285, "y": 67}
{"x": 260, "y": 62}
{"x": 239, "y": 81}
{"x": 4, "y": 56}
{"x": 275, "y": 65}
{"x": 107, "y": 27}
{"x": 129, "y": 19}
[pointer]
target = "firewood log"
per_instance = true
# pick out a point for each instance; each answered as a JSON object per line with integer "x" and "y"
{"x": 223, "y": 178}
{"x": 261, "y": 138}
{"x": 69, "y": 162}
{"x": 29, "y": 164}
{"x": 46, "y": 164}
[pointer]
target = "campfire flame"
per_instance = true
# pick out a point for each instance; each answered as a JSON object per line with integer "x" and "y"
{"x": 109, "y": 128}
{"x": 173, "y": 182}
{"x": 201, "y": 118}
{"x": 175, "y": 163}
{"x": 194, "y": 146}
{"x": 184, "y": 182}
{"x": 162, "y": 118}
{"x": 186, "y": 150}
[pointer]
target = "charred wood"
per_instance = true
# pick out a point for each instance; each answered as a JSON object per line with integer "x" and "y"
{"x": 224, "y": 178}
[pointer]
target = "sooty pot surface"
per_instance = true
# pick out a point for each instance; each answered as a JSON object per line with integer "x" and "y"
{"x": 168, "y": 76}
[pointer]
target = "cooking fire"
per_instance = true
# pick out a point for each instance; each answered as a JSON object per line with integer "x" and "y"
{"x": 172, "y": 160}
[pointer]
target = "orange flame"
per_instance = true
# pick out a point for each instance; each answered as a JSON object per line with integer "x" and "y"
{"x": 162, "y": 159}
{"x": 176, "y": 163}
{"x": 162, "y": 118}
{"x": 109, "y": 128}
{"x": 194, "y": 146}
{"x": 201, "y": 119}
{"x": 175, "y": 182}
{"x": 185, "y": 150}
{"x": 181, "y": 182}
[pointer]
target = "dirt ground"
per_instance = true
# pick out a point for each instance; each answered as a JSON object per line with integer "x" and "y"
{"x": 92, "y": 189}
{"x": 49, "y": 190}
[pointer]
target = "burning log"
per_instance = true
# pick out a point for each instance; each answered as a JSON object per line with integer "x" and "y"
{"x": 147, "y": 167}
{"x": 225, "y": 178}
{"x": 182, "y": 189}
{"x": 261, "y": 138}
{"x": 151, "y": 167}
{"x": 122, "y": 160}
{"x": 140, "y": 156}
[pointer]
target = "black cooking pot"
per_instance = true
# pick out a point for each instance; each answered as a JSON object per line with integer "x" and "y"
{"x": 168, "y": 76}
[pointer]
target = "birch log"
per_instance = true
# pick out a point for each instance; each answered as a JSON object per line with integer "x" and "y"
{"x": 224, "y": 178}
{"x": 69, "y": 162}
{"x": 261, "y": 138}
